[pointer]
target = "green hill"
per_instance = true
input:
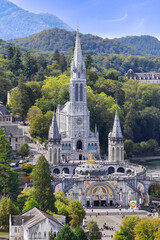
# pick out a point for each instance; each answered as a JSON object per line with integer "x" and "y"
{"x": 16, "y": 22}
{"x": 148, "y": 45}
{"x": 52, "y": 39}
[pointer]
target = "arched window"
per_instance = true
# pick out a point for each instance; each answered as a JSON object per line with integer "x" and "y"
{"x": 76, "y": 92}
{"x": 89, "y": 146}
{"x": 55, "y": 235}
{"x": 117, "y": 154}
{"x": 55, "y": 155}
{"x": 81, "y": 92}
{"x": 15, "y": 229}
{"x": 62, "y": 146}
{"x": 95, "y": 146}
{"x": 65, "y": 170}
{"x": 66, "y": 147}
{"x": 39, "y": 235}
{"x": 69, "y": 147}
{"x": 79, "y": 145}
{"x": 113, "y": 154}
{"x": 35, "y": 235}
{"x": 59, "y": 155}
{"x": 56, "y": 170}
{"x": 121, "y": 153}
{"x": 92, "y": 146}
{"x": 50, "y": 152}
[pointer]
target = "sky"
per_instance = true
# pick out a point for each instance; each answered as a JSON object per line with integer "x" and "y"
{"x": 105, "y": 18}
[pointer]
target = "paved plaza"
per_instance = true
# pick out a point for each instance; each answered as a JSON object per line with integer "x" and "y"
{"x": 112, "y": 218}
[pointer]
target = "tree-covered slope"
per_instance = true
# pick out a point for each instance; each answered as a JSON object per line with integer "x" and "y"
{"x": 52, "y": 39}
{"x": 16, "y": 22}
{"x": 148, "y": 45}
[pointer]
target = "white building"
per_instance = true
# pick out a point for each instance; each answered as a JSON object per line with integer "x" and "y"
{"x": 34, "y": 224}
{"x": 73, "y": 119}
{"x": 148, "y": 78}
{"x": 13, "y": 133}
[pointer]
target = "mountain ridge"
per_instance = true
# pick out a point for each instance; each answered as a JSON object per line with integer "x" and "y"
{"x": 52, "y": 39}
{"x": 16, "y": 22}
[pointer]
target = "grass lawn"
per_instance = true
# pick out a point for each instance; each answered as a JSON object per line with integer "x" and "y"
{"x": 4, "y": 233}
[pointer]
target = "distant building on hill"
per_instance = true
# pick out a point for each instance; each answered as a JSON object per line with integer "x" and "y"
{"x": 148, "y": 78}
{"x": 34, "y": 224}
{"x": 13, "y": 133}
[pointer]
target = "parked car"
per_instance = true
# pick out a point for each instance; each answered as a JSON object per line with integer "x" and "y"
{"x": 15, "y": 164}
{"x": 23, "y": 161}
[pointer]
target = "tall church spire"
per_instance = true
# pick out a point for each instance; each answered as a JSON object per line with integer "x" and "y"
{"x": 78, "y": 64}
{"x": 54, "y": 132}
{"x": 117, "y": 132}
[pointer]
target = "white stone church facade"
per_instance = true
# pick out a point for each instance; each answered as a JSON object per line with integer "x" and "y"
{"x": 70, "y": 137}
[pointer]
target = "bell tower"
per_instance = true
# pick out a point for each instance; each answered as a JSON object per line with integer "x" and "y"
{"x": 116, "y": 142}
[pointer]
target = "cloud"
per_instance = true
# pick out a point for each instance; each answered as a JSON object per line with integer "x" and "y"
{"x": 118, "y": 19}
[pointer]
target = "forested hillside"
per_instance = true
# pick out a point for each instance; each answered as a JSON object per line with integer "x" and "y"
{"x": 42, "y": 85}
{"x": 16, "y": 22}
{"x": 147, "y": 45}
{"x": 52, "y": 39}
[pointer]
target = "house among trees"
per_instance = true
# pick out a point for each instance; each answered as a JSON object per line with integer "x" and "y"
{"x": 148, "y": 78}
{"x": 35, "y": 224}
{"x": 13, "y": 133}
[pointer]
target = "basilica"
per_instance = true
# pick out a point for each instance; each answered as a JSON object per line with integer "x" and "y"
{"x": 74, "y": 152}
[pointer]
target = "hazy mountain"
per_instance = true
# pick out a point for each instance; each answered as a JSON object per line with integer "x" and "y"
{"x": 16, "y": 22}
{"x": 52, "y": 39}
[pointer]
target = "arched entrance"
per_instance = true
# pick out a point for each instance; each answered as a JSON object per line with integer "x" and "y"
{"x": 65, "y": 170}
{"x": 56, "y": 170}
{"x": 79, "y": 145}
{"x": 120, "y": 169}
{"x": 99, "y": 195}
{"x": 111, "y": 170}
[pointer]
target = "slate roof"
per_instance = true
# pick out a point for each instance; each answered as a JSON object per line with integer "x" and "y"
{"x": 12, "y": 130}
{"x": 54, "y": 132}
{"x": 32, "y": 217}
{"x": 17, "y": 220}
{"x": 3, "y": 110}
{"x": 116, "y": 132}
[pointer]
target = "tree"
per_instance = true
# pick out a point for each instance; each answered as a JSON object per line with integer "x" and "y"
{"x": 7, "y": 207}
{"x": 147, "y": 229}
{"x": 51, "y": 236}
{"x": 5, "y": 85}
{"x": 38, "y": 127}
{"x": 33, "y": 112}
{"x": 63, "y": 63}
{"x": 29, "y": 204}
{"x": 80, "y": 233}
{"x": 27, "y": 168}
{"x": 8, "y": 178}
{"x": 77, "y": 213}
{"x": 23, "y": 150}
{"x": 66, "y": 234}
{"x": 43, "y": 193}
{"x": 88, "y": 61}
{"x": 24, "y": 196}
{"x": 94, "y": 233}
{"x": 30, "y": 65}
{"x": 19, "y": 100}
{"x": 126, "y": 231}
{"x": 56, "y": 56}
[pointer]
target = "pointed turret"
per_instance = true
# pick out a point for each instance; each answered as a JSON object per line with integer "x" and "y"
{"x": 78, "y": 64}
{"x": 117, "y": 132}
{"x": 54, "y": 132}
{"x": 115, "y": 142}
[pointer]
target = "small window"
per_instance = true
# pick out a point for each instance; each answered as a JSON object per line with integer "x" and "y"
{"x": 55, "y": 234}
{"x": 78, "y": 74}
{"x": 15, "y": 229}
{"x": 16, "y": 139}
{"x": 44, "y": 234}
